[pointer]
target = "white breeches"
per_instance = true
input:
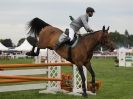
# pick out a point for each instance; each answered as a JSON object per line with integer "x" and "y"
{"x": 71, "y": 34}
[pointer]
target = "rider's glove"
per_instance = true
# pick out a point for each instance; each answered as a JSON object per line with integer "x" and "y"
{"x": 90, "y": 30}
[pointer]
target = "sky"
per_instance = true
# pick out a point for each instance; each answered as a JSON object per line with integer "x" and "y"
{"x": 15, "y": 15}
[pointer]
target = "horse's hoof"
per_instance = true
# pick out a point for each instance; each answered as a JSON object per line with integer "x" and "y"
{"x": 31, "y": 54}
{"x": 91, "y": 93}
{"x": 34, "y": 54}
{"x": 84, "y": 95}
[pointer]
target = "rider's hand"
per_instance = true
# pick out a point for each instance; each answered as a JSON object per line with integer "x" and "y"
{"x": 90, "y": 30}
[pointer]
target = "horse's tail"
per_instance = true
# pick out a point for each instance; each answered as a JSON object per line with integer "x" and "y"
{"x": 35, "y": 26}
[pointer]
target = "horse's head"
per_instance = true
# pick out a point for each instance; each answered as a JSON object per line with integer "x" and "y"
{"x": 106, "y": 39}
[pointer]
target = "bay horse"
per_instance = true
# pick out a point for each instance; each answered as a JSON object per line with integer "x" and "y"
{"x": 81, "y": 54}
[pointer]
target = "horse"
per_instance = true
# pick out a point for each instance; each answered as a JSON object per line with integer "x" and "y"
{"x": 81, "y": 54}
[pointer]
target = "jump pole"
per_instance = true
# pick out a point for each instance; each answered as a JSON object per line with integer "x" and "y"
{"x": 33, "y": 65}
{"x": 55, "y": 72}
{"x": 14, "y": 81}
{"x": 30, "y": 78}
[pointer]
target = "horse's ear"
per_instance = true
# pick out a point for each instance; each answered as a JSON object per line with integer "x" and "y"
{"x": 107, "y": 29}
{"x": 103, "y": 28}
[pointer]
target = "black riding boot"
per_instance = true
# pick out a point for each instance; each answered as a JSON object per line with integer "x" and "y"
{"x": 59, "y": 44}
{"x": 65, "y": 38}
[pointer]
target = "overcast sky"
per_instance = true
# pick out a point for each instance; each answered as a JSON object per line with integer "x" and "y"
{"x": 14, "y": 14}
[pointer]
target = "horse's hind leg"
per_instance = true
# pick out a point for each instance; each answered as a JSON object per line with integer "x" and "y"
{"x": 32, "y": 53}
{"x": 80, "y": 68}
{"x": 90, "y": 69}
{"x": 38, "y": 51}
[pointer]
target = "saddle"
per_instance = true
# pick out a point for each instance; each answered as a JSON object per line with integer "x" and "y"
{"x": 74, "y": 42}
{"x": 76, "y": 39}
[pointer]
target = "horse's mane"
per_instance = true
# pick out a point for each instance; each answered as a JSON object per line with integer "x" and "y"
{"x": 35, "y": 26}
{"x": 92, "y": 33}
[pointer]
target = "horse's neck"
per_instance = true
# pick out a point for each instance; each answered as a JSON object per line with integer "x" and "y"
{"x": 92, "y": 41}
{"x": 87, "y": 44}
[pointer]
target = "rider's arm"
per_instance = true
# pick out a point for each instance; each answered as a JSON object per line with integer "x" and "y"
{"x": 85, "y": 24}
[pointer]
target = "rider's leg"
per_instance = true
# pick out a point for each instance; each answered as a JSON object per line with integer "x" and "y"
{"x": 71, "y": 34}
{"x": 63, "y": 39}
{"x": 73, "y": 31}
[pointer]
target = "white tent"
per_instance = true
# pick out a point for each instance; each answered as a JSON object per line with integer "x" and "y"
{"x": 3, "y": 48}
{"x": 25, "y": 46}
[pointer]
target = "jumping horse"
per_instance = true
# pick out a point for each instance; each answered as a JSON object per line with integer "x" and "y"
{"x": 81, "y": 54}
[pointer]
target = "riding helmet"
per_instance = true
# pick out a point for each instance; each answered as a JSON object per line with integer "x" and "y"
{"x": 90, "y": 9}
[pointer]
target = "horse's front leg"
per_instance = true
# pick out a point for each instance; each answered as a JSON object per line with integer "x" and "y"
{"x": 90, "y": 69}
{"x": 80, "y": 68}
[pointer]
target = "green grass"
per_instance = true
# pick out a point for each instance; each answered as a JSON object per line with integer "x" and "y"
{"x": 16, "y": 61}
{"x": 117, "y": 84}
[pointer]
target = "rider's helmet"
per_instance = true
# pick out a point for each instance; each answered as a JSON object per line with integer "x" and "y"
{"x": 90, "y": 9}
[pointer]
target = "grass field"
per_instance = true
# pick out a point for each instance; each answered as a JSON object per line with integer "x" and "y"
{"x": 17, "y": 61}
{"x": 117, "y": 84}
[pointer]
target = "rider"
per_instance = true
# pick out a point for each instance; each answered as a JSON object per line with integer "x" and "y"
{"x": 81, "y": 21}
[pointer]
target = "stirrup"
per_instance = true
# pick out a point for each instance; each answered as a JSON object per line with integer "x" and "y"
{"x": 58, "y": 45}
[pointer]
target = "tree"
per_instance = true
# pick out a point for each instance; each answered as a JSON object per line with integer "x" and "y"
{"x": 7, "y": 42}
{"x": 20, "y": 41}
{"x": 119, "y": 39}
{"x": 130, "y": 40}
{"x": 126, "y": 33}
